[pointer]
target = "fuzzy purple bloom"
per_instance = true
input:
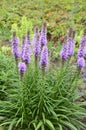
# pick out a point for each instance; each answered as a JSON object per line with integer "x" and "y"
{"x": 36, "y": 42}
{"x": 70, "y": 46}
{"x": 67, "y": 48}
{"x": 28, "y": 38}
{"x": 63, "y": 53}
{"x": 44, "y": 57}
{"x": 24, "y": 42}
{"x": 83, "y": 40}
{"x": 81, "y": 63}
{"x": 36, "y": 33}
{"x": 43, "y": 35}
{"x": 26, "y": 54}
{"x": 81, "y": 51}
{"x": 36, "y": 46}
{"x": 15, "y": 50}
{"x": 22, "y": 68}
{"x": 84, "y": 75}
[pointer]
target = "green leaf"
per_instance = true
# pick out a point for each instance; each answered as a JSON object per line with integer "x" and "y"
{"x": 42, "y": 127}
{"x": 43, "y": 115}
{"x": 34, "y": 125}
{"x": 49, "y": 124}
{"x": 39, "y": 125}
{"x": 5, "y": 123}
{"x": 12, "y": 124}
{"x": 18, "y": 121}
{"x": 60, "y": 127}
{"x": 68, "y": 124}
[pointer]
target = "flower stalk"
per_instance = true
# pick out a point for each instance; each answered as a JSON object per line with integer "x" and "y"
{"x": 43, "y": 36}
{"x": 44, "y": 59}
{"x": 15, "y": 50}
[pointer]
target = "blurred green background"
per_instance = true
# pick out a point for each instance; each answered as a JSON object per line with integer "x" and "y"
{"x": 59, "y": 15}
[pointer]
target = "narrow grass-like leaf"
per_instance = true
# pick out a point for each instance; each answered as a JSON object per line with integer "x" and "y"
{"x": 49, "y": 124}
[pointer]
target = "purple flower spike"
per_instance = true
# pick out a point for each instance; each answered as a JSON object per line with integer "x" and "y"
{"x": 70, "y": 46}
{"x": 26, "y": 54}
{"x": 28, "y": 38}
{"x": 24, "y": 42}
{"x": 44, "y": 57}
{"x": 81, "y": 51}
{"x": 83, "y": 40}
{"x": 36, "y": 33}
{"x": 63, "y": 53}
{"x": 22, "y": 68}
{"x": 36, "y": 46}
{"x": 15, "y": 50}
{"x": 43, "y": 36}
{"x": 84, "y": 75}
{"x": 81, "y": 63}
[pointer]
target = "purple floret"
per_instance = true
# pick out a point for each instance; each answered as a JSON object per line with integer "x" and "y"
{"x": 26, "y": 54}
{"x": 81, "y": 63}
{"x": 36, "y": 33}
{"x": 28, "y": 38}
{"x": 22, "y": 68}
{"x": 24, "y": 42}
{"x": 36, "y": 46}
{"x": 63, "y": 53}
{"x": 67, "y": 48}
{"x": 43, "y": 36}
{"x": 83, "y": 40}
{"x": 44, "y": 57}
{"x": 15, "y": 50}
{"x": 84, "y": 75}
{"x": 70, "y": 46}
{"x": 81, "y": 51}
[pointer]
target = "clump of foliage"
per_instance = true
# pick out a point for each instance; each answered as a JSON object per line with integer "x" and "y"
{"x": 44, "y": 103}
{"x": 8, "y": 75}
{"x": 43, "y": 99}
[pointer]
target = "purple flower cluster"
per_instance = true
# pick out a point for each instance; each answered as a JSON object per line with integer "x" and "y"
{"x": 24, "y": 42}
{"x": 63, "y": 53}
{"x": 22, "y": 68}
{"x": 15, "y": 42}
{"x": 25, "y": 51}
{"x": 44, "y": 57}
{"x": 43, "y": 35}
{"x": 81, "y": 51}
{"x": 36, "y": 46}
{"x": 39, "y": 43}
{"x": 26, "y": 54}
{"x": 36, "y": 42}
{"x": 36, "y": 33}
{"x": 83, "y": 40}
{"x": 81, "y": 63}
{"x": 67, "y": 49}
{"x": 84, "y": 75}
{"x": 28, "y": 38}
{"x": 70, "y": 46}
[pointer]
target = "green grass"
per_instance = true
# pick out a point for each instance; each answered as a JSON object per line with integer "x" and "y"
{"x": 60, "y": 15}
